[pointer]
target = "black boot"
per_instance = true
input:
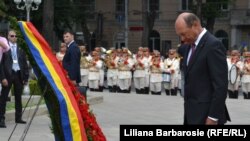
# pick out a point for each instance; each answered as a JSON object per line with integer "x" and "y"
{"x": 245, "y": 95}
{"x": 248, "y": 95}
{"x": 137, "y": 91}
{"x": 2, "y": 123}
{"x": 127, "y": 91}
{"x": 167, "y": 92}
{"x": 118, "y": 89}
{"x": 158, "y": 93}
{"x": 146, "y": 90}
{"x": 236, "y": 93}
{"x": 230, "y": 94}
{"x": 114, "y": 89}
{"x": 20, "y": 121}
{"x": 172, "y": 92}
{"x": 175, "y": 91}
{"x": 141, "y": 91}
{"x": 110, "y": 89}
{"x": 100, "y": 89}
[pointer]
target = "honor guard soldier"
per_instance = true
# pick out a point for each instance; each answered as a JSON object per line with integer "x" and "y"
{"x": 140, "y": 73}
{"x": 101, "y": 53}
{"x": 125, "y": 64}
{"x": 94, "y": 72}
{"x": 85, "y": 60}
{"x": 156, "y": 68}
{"x": 170, "y": 73}
{"x": 234, "y": 59}
{"x": 111, "y": 61}
{"x": 148, "y": 58}
{"x": 246, "y": 76}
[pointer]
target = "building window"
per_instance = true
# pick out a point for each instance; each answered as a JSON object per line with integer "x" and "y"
{"x": 224, "y": 6}
{"x": 220, "y": 6}
{"x": 154, "y": 6}
{"x": 120, "y": 10}
{"x": 89, "y": 6}
{"x": 154, "y": 41}
{"x": 119, "y": 40}
{"x": 186, "y": 5}
{"x": 223, "y": 37}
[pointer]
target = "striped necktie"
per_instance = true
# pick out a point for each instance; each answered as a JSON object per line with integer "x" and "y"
{"x": 192, "y": 52}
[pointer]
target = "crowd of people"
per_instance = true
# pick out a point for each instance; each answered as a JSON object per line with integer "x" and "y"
{"x": 240, "y": 77}
{"x": 148, "y": 72}
{"x": 120, "y": 69}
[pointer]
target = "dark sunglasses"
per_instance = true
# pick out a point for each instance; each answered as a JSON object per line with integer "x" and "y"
{"x": 12, "y": 36}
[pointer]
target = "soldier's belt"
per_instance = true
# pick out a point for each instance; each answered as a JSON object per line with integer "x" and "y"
{"x": 155, "y": 72}
{"x": 139, "y": 69}
{"x": 93, "y": 71}
{"x": 124, "y": 70}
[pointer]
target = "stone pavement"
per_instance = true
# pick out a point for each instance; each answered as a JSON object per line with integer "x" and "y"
{"x": 117, "y": 109}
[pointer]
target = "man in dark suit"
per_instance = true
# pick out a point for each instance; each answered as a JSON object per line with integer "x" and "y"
{"x": 71, "y": 59}
{"x": 13, "y": 71}
{"x": 205, "y": 71}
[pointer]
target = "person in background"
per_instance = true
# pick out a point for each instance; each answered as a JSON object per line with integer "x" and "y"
{"x": 171, "y": 69}
{"x": 234, "y": 59}
{"x": 156, "y": 69}
{"x": 125, "y": 64}
{"x": 205, "y": 70}
{"x": 245, "y": 80}
{"x": 140, "y": 73}
{"x": 148, "y": 57}
{"x": 61, "y": 53}
{"x": 95, "y": 65}
{"x": 71, "y": 59}
{"x": 85, "y": 63}
{"x": 111, "y": 61}
{"x": 14, "y": 71}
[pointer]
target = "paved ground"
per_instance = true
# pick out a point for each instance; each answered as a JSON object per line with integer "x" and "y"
{"x": 117, "y": 109}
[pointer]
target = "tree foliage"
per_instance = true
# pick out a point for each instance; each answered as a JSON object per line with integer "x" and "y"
{"x": 210, "y": 10}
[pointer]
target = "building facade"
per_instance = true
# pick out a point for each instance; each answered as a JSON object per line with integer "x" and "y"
{"x": 126, "y": 30}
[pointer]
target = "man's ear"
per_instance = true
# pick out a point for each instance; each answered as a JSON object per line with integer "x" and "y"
{"x": 195, "y": 24}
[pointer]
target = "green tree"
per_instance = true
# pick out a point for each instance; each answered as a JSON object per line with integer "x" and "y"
{"x": 2, "y": 9}
{"x": 209, "y": 11}
{"x": 48, "y": 22}
{"x": 148, "y": 22}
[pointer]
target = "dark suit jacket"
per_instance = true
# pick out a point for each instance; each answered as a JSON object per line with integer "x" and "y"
{"x": 206, "y": 82}
{"x": 7, "y": 62}
{"x": 181, "y": 51}
{"x": 71, "y": 62}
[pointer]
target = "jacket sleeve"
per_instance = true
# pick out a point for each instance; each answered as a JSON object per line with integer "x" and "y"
{"x": 218, "y": 72}
{"x": 25, "y": 67}
{"x": 2, "y": 73}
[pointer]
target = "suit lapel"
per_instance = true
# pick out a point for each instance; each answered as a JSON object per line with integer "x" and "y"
{"x": 17, "y": 52}
{"x": 198, "y": 49}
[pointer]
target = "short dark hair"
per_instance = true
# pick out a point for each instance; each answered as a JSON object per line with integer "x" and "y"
{"x": 68, "y": 31}
{"x": 190, "y": 19}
